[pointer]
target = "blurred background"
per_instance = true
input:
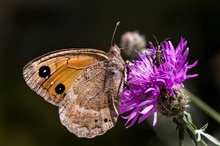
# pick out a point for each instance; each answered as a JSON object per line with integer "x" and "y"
{"x": 30, "y": 28}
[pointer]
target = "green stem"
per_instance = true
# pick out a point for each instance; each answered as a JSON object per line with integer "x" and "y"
{"x": 202, "y": 143}
{"x": 205, "y": 107}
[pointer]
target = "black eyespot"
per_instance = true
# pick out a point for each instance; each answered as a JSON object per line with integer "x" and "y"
{"x": 60, "y": 88}
{"x": 44, "y": 72}
{"x": 96, "y": 120}
{"x": 105, "y": 120}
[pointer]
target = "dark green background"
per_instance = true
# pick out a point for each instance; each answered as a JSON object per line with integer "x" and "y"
{"x": 29, "y": 28}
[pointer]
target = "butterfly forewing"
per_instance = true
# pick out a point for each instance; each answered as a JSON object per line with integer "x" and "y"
{"x": 46, "y": 74}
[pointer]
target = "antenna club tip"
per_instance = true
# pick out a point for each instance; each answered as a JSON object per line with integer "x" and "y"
{"x": 118, "y": 23}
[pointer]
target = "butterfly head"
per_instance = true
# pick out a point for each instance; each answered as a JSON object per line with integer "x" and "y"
{"x": 114, "y": 51}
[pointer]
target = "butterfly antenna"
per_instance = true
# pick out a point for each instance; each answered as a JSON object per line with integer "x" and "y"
{"x": 113, "y": 35}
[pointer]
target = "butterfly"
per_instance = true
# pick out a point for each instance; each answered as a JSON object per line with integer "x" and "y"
{"x": 86, "y": 85}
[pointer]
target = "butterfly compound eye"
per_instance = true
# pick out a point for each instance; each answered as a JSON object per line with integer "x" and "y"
{"x": 44, "y": 72}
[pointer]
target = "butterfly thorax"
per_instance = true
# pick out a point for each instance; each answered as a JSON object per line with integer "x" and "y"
{"x": 115, "y": 61}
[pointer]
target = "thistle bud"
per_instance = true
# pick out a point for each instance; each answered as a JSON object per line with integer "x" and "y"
{"x": 172, "y": 105}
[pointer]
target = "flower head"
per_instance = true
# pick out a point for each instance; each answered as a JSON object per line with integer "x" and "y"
{"x": 156, "y": 87}
{"x": 132, "y": 40}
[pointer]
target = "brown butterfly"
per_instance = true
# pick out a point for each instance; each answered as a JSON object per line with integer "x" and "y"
{"x": 86, "y": 84}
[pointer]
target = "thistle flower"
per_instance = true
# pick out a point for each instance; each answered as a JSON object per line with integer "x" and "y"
{"x": 154, "y": 88}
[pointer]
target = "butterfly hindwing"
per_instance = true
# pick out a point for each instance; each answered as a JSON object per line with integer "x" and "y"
{"x": 92, "y": 103}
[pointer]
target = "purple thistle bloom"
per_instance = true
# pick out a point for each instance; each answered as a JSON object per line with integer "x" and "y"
{"x": 147, "y": 81}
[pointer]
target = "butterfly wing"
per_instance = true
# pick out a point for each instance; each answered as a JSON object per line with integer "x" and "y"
{"x": 52, "y": 74}
{"x": 91, "y": 105}
{"x": 85, "y": 84}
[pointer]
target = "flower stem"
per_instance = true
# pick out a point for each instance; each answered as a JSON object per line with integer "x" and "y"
{"x": 202, "y": 143}
{"x": 205, "y": 107}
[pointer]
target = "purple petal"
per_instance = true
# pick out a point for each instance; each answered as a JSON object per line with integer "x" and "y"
{"x": 155, "y": 117}
{"x": 147, "y": 114}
